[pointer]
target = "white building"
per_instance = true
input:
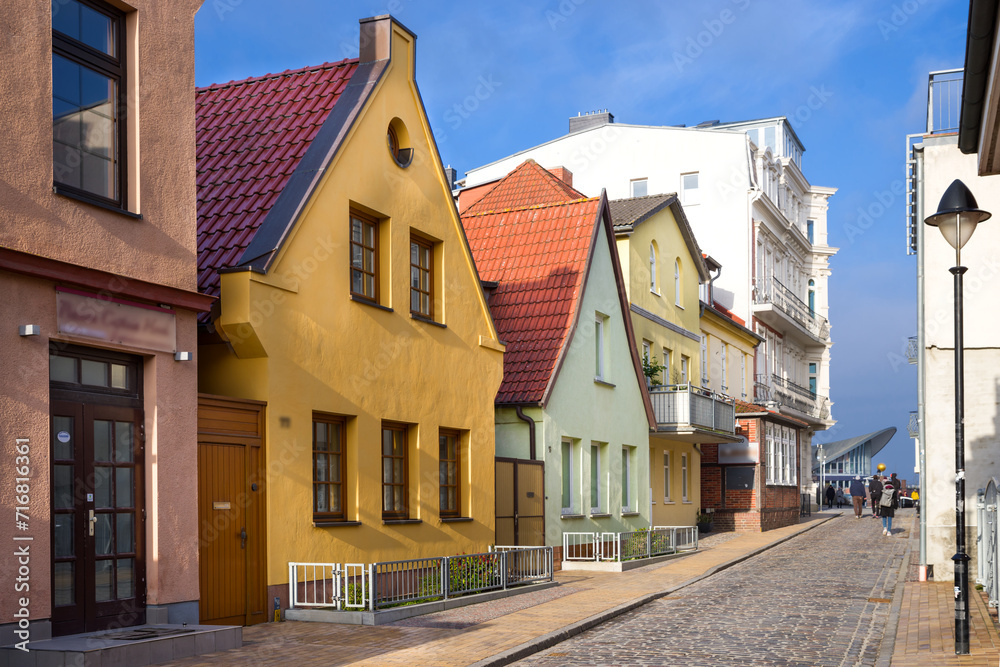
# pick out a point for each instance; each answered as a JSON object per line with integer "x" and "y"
{"x": 751, "y": 207}
{"x": 934, "y": 162}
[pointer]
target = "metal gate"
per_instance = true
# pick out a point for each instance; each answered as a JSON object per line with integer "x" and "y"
{"x": 988, "y": 567}
{"x": 520, "y": 502}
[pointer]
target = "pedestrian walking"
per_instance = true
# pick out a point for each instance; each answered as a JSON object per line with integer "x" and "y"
{"x": 840, "y": 497}
{"x": 830, "y": 495}
{"x": 887, "y": 507}
{"x": 875, "y": 492}
{"x": 857, "y": 490}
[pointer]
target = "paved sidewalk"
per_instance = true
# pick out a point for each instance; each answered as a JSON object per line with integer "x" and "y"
{"x": 501, "y": 632}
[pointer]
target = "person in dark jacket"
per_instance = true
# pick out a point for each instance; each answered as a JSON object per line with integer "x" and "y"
{"x": 840, "y": 497}
{"x": 857, "y": 495}
{"x": 888, "y": 511}
{"x": 875, "y": 491}
{"x": 830, "y": 494}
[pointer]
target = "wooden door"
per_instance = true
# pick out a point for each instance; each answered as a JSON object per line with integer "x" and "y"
{"x": 231, "y": 507}
{"x": 520, "y": 502}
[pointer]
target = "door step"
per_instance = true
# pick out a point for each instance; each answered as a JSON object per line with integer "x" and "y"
{"x": 135, "y": 647}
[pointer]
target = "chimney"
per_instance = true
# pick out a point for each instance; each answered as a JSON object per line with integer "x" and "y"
{"x": 588, "y": 120}
{"x": 563, "y": 174}
{"x": 449, "y": 175}
{"x": 375, "y": 35}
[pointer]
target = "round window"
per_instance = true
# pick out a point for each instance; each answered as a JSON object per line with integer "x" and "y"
{"x": 398, "y": 142}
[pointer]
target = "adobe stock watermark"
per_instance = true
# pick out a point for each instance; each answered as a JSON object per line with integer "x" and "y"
{"x": 898, "y": 17}
{"x": 22, "y": 548}
{"x": 869, "y": 215}
{"x": 566, "y": 8}
{"x": 704, "y": 39}
{"x": 461, "y": 111}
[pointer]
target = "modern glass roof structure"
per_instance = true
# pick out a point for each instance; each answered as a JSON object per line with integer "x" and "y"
{"x": 850, "y": 457}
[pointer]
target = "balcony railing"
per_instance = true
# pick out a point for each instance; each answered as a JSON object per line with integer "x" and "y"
{"x": 778, "y": 295}
{"x": 913, "y": 427}
{"x": 912, "y": 349}
{"x": 686, "y": 405}
{"x": 944, "y": 101}
{"x": 785, "y": 392}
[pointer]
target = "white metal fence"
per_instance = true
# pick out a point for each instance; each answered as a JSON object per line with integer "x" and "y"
{"x": 988, "y": 564}
{"x": 378, "y": 585}
{"x": 618, "y": 547}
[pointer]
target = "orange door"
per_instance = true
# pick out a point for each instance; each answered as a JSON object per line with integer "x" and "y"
{"x": 231, "y": 504}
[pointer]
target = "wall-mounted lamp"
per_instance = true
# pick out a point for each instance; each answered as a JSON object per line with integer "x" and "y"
{"x": 182, "y": 356}
{"x": 29, "y": 330}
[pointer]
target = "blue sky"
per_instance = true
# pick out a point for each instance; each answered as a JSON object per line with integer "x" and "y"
{"x": 852, "y": 76}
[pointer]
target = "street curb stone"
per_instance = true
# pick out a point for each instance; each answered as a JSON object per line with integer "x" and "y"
{"x": 550, "y": 639}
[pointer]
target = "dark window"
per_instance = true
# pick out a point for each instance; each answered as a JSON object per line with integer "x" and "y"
{"x": 394, "y": 477}
{"x": 364, "y": 256}
{"x": 421, "y": 277}
{"x": 88, "y": 93}
{"x": 449, "y": 444}
{"x": 328, "y": 469}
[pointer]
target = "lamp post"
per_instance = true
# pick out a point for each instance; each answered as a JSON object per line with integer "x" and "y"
{"x": 957, "y": 217}
{"x": 822, "y": 475}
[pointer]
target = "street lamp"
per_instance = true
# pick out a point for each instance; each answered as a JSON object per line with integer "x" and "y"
{"x": 957, "y": 217}
{"x": 822, "y": 474}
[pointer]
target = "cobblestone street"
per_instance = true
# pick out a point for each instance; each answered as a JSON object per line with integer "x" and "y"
{"x": 822, "y": 598}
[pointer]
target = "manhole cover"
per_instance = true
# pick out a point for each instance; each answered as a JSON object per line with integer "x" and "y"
{"x": 145, "y": 633}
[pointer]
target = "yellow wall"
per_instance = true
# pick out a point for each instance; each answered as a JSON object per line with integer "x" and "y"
{"x": 633, "y": 250}
{"x": 720, "y": 331}
{"x": 303, "y": 346}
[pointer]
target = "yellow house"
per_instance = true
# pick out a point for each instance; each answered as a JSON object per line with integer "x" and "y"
{"x": 352, "y": 357}
{"x": 664, "y": 269}
{"x": 728, "y": 346}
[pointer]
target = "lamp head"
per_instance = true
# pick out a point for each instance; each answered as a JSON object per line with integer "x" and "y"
{"x": 957, "y": 215}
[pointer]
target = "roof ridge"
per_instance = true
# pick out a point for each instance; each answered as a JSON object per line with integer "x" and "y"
{"x": 275, "y": 75}
{"x": 531, "y": 206}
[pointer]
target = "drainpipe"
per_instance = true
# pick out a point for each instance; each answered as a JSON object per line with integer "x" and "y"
{"x": 531, "y": 430}
{"x": 921, "y": 359}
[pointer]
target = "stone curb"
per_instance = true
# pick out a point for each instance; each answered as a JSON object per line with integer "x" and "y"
{"x": 562, "y": 634}
{"x": 888, "y": 645}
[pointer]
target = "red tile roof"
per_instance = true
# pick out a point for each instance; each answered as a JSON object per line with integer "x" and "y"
{"x": 538, "y": 255}
{"x": 528, "y": 184}
{"x": 251, "y": 135}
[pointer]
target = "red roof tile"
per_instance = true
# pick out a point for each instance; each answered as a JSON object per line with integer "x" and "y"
{"x": 537, "y": 253}
{"x": 528, "y": 184}
{"x": 251, "y": 136}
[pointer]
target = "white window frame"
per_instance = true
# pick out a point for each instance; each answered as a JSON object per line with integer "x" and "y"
{"x": 743, "y": 376}
{"x": 653, "y": 285}
{"x": 704, "y": 360}
{"x": 677, "y": 283}
{"x": 666, "y": 477}
{"x": 627, "y": 496}
{"x": 595, "y": 473}
{"x": 567, "y": 478}
{"x": 599, "y": 370}
{"x": 634, "y": 182}
{"x": 685, "y": 362}
{"x": 685, "y": 481}
{"x": 725, "y": 373}
{"x": 668, "y": 359}
{"x": 690, "y": 196}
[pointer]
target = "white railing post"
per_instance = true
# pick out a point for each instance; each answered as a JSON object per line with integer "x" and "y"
{"x": 291, "y": 585}
{"x": 371, "y": 587}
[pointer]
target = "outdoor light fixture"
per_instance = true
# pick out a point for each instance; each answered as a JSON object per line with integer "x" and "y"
{"x": 182, "y": 356}
{"x": 957, "y": 217}
{"x": 29, "y": 330}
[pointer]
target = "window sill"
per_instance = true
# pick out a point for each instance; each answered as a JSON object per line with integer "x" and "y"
{"x": 455, "y": 519}
{"x": 396, "y": 522}
{"x": 624, "y": 514}
{"x": 600, "y": 515}
{"x": 334, "y": 524}
{"x": 679, "y": 305}
{"x": 368, "y": 302}
{"x": 603, "y": 383}
{"x": 95, "y": 202}
{"x": 669, "y": 502}
{"x": 686, "y": 502}
{"x": 426, "y": 320}
{"x": 653, "y": 291}
{"x": 573, "y": 516}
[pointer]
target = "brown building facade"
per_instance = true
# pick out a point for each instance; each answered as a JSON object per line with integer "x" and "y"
{"x": 753, "y": 486}
{"x": 98, "y": 385}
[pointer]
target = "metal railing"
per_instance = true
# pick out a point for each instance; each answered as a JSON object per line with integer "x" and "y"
{"x": 619, "y": 547}
{"x": 776, "y": 294}
{"x": 386, "y": 584}
{"x": 798, "y": 397}
{"x": 686, "y": 404}
{"x": 944, "y": 100}
{"x": 913, "y": 426}
{"x": 912, "y": 351}
{"x": 988, "y": 566}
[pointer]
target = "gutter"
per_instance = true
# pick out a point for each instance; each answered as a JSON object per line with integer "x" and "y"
{"x": 531, "y": 430}
{"x": 978, "y": 54}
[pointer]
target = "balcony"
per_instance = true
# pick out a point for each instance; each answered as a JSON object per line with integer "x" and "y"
{"x": 775, "y": 389}
{"x": 944, "y": 100}
{"x": 912, "y": 351}
{"x": 692, "y": 414}
{"x": 778, "y": 307}
{"x": 913, "y": 427}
